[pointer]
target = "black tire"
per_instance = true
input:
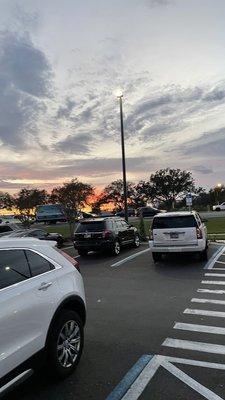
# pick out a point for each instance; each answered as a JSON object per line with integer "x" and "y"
{"x": 82, "y": 253}
{"x": 217, "y": 209}
{"x": 156, "y": 257}
{"x": 115, "y": 250}
{"x": 204, "y": 255}
{"x": 53, "y": 363}
{"x": 136, "y": 240}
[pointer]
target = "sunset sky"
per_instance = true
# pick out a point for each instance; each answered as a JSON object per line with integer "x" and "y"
{"x": 60, "y": 64}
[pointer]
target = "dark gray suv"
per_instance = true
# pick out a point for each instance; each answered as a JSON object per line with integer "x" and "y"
{"x": 104, "y": 234}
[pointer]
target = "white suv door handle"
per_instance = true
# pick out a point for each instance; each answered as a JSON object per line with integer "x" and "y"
{"x": 45, "y": 285}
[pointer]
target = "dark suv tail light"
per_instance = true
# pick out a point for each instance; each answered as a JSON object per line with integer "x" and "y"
{"x": 199, "y": 233}
{"x": 106, "y": 234}
{"x": 70, "y": 259}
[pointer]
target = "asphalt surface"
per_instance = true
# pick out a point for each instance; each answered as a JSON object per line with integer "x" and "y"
{"x": 132, "y": 308}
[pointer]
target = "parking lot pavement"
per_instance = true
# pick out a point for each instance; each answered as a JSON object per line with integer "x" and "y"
{"x": 138, "y": 308}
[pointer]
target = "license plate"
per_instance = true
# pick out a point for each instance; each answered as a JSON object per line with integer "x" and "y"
{"x": 174, "y": 235}
{"x": 87, "y": 235}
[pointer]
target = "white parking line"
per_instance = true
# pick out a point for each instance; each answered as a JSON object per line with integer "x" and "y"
{"x": 213, "y": 282}
{"x": 216, "y": 274}
{"x": 199, "y": 328}
{"x": 214, "y": 291}
{"x": 195, "y": 346}
{"x": 207, "y": 313}
{"x": 210, "y": 264}
{"x": 220, "y": 262}
{"x": 196, "y": 300}
{"x": 124, "y": 260}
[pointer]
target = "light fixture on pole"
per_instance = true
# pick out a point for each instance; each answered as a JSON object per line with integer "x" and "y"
{"x": 120, "y": 97}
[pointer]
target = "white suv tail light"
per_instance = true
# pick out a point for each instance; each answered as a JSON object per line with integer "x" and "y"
{"x": 199, "y": 233}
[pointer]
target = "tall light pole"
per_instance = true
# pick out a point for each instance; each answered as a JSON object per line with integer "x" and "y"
{"x": 219, "y": 186}
{"x": 120, "y": 97}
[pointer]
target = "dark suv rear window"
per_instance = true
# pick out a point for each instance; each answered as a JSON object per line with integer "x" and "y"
{"x": 174, "y": 222}
{"x": 94, "y": 226}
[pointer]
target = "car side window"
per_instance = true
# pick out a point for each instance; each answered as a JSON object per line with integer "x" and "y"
{"x": 199, "y": 221}
{"x": 118, "y": 225}
{"x": 14, "y": 267}
{"x": 38, "y": 264}
{"x": 5, "y": 228}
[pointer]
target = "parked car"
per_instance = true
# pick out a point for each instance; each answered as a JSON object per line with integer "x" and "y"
{"x": 9, "y": 219}
{"x": 131, "y": 212}
{"x": 104, "y": 214}
{"x": 148, "y": 212}
{"x": 104, "y": 234}
{"x": 43, "y": 310}
{"x": 178, "y": 232}
{"x": 39, "y": 234}
{"x": 51, "y": 213}
{"x": 219, "y": 207}
{"x": 6, "y": 229}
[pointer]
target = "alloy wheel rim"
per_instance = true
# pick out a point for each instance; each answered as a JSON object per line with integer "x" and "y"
{"x": 137, "y": 241}
{"x": 68, "y": 345}
{"x": 117, "y": 247}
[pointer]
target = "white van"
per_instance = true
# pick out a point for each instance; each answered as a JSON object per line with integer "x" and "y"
{"x": 177, "y": 232}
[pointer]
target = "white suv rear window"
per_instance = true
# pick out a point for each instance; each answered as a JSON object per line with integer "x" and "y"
{"x": 187, "y": 221}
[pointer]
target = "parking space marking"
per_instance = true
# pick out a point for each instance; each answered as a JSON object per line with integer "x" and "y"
{"x": 194, "y": 346}
{"x": 213, "y": 282}
{"x": 212, "y": 301}
{"x": 121, "y": 389}
{"x": 68, "y": 247}
{"x": 207, "y": 313}
{"x": 158, "y": 361}
{"x": 214, "y": 258}
{"x": 214, "y": 291}
{"x": 199, "y": 328}
{"x": 124, "y": 260}
{"x": 135, "y": 389}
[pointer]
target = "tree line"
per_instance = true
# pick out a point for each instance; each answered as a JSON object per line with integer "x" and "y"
{"x": 165, "y": 188}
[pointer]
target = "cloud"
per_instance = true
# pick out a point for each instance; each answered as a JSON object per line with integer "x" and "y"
{"x": 75, "y": 144}
{"x": 25, "y": 81}
{"x": 91, "y": 167}
{"x": 65, "y": 110}
{"x": 202, "y": 169}
{"x": 210, "y": 144}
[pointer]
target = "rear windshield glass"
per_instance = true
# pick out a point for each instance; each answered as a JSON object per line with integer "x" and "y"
{"x": 174, "y": 222}
{"x": 91, "y": 227}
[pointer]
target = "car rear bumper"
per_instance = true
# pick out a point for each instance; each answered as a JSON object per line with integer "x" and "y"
{"x": 200, "y": 246}
{"x": 93, "y": 246}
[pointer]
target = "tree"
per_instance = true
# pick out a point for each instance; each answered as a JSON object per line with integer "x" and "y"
{"x": 144, "y": 191}
{"x": 74, "y": 195}
{"x": 171, "y": 185}
{"x": 114, "y": 193}
{"x": 28, "y": 199}
{"x": 6, "y": 201}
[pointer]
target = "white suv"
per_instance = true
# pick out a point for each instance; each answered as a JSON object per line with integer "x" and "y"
{"x": 43, "y": 310}
{"x": 178, "y": 232}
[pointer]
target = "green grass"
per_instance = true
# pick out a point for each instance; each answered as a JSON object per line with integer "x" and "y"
{"x": 216, "y": 225}
{"x": 63, "y": 230}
